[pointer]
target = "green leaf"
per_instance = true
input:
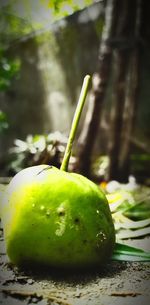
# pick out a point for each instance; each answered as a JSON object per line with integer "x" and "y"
{"x": 126, "y": 234}
{"x": 127, "y": 253}
{"x": 134, "y": 205}
{"x": 129, "y": 258}
{"x": 130, "y": 224}
{"x": 139, "y": 211}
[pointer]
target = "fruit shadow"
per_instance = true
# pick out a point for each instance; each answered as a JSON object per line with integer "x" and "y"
{"x": 75, "y": 276}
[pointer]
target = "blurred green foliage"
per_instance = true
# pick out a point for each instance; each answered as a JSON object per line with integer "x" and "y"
{"x": 9, "y": 69}
{"x": 19, "y": 18}
{"x": 3, "y": 122}
{"x": 62, "y": 8}
{"x": 139, "y": 167}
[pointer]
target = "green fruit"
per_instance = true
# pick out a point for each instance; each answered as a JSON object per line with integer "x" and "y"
{"x": 55, "y": 218}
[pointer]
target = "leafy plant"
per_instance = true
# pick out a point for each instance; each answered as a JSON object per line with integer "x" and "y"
{"x": 130, "y": 207}
{"x": 37, "y": 149}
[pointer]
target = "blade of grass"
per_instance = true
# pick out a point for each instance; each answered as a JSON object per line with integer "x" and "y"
{"x": 129, "y": 258}
{"x": 126, "y": 234}
{"x": 139, "y": 210}
{"x": 127, "y": 253}
{"x": 123, "y": 222}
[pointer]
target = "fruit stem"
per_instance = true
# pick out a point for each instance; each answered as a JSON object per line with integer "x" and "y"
{"x": 75, "y": 122}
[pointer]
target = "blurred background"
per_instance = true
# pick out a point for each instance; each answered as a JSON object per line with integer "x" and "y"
{"x": 46, "y": 49}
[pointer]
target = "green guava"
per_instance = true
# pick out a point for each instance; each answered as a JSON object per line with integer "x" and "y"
{"x": 58, "y": 219}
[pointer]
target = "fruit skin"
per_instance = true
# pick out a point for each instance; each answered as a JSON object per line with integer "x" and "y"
{"x": 57, "y": 219}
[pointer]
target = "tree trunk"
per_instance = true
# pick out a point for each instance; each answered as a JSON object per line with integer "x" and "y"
{"x": 120, "y": 60}
{"x": 125, "y": 88}
{"x": 99, "y": 85}
{"x": 130, "y": 110}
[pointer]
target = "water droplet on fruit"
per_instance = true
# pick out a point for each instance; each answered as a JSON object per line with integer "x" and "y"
{"x": 42, "y": 207}
{"x": 61, "y": 211}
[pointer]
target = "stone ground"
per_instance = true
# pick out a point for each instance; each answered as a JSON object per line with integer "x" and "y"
{"x": 119, "y": 283}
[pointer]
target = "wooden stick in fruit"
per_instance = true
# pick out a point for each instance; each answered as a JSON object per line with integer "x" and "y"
{"x": 75, "y": 122}
{"x": 57, "y": 219}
